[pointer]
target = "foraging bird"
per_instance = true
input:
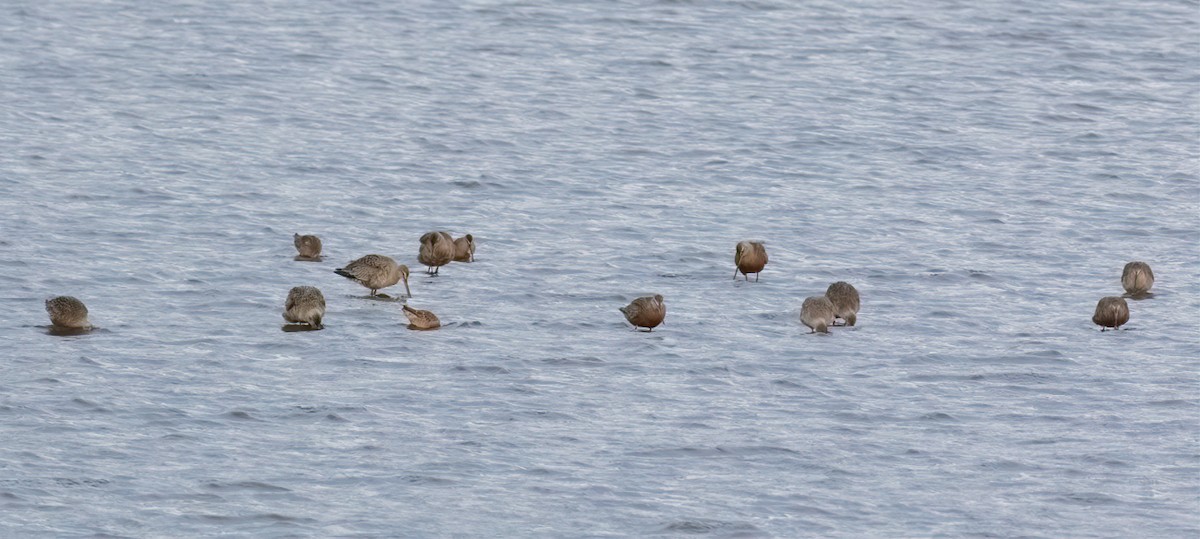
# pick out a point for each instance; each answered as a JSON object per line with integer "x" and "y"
{"x": 309, "y": 247}
{"x": 749, "y": 257}
{"x": 844, "y": 298}
{"x": 68, "y": 312}
{"x": 375, "y": 272}
{"x": 305, "y": 305}
{"x": 1137, "y": 278}
{"x": 418, "y": 319}
{"x": 817, "y": 313}
{"x": 464, "y": 249}
{"x": 437, "y": 250}
{"x": 1111, "y": 312}
{"x": 647, "y": 312}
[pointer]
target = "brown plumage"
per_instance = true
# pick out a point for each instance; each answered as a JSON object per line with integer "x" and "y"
{"x": 309, "y": 247}
{"x": 305, "y": 305}
{"x": 1137, "y": 278}
{"x": 68, "y": 312}
{"x": 375, "y": 272}
{"x": 749, "y": 257}
{"x": 647, "y": 312}
{"x": 418, "y": 319}
{"x": 464, "y": 249}
{"x": 844, "y": 298}
{"x": 437, "y": 250}
{"x": 817, "y": 313}
{"x": 1111, "y": 312}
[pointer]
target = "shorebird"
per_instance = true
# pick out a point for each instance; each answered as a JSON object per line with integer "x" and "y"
{"x": 68, "y": 312}
{"x": 844, "y": 298}
{"x": 749, "y": 257}
{"x": 647, "y": 312}
{"x": 817, "y": 313}
{"x": 1137, "y": 278}
{"x": 305, "y": 305}
{"x": 375, "y": 272}
{"x": 1111, "y": 312}
{"x": 437, "y": 250}
{"x": 308, "y": 245}
{"x": 418, "y": 319}
{"x": 464, "y": 249}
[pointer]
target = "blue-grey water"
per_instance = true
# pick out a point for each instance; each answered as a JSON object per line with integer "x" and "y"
{"x": 981, "y": 171}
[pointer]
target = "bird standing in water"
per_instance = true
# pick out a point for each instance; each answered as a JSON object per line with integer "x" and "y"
{"x": 308, "y": 245}
{"x": 375, "y": 272}
{"x": 437, "y": 250}
{"x": 68, "y": 312}
{"x": 817, "y": 313}
{"x": 1137, "y": 278}
{"x": 749, "y": 257}
{"x": 305, "y": 305}
{"x": 844, "y": 298}
{"x": 418, "y": 319}
{"x": 464, "y": 249}
{"x": 1111, "y": 312}
{"x": 647, "y": 312}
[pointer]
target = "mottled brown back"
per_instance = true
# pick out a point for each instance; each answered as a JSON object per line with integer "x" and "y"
{"x": 646, "y": 312}
{"x": 67, "y": 312}
{"x": 1137, "y": 278}
{"x": 1111, "y": 312}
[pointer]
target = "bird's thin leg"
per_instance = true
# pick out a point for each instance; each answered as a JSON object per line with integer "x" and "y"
{"x": 756, "y": 274}
{"x": 735, "y": 270}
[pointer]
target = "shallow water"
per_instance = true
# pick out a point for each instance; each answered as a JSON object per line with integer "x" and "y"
{"x": 980, "y": 171}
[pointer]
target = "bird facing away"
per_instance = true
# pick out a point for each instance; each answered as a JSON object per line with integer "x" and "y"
{"x": 1111, "y": 312}
{"x": 647, "y": 312}
{"x": 437, "y": 250}
{"x": 418, "y": 319}
{"x": 464, "y": 249}
{"x": 1137, "y": 278}
{"x": 68, "y": 312}
{"x": 817, "y": 313}
{"x": 749, "y": 257}
{"x": 305, "y": 305}
{"x": 309, "y": 247}
{"x": 844, "y": 298}
{"x": 375, "y": 272}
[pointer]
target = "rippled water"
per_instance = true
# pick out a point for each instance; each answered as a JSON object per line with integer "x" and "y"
{"x": 981, "y": 171}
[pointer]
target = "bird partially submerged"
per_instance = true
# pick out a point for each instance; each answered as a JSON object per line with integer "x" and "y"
{"x": 647, "y": 312}
{"x": 308, "y": 246}
{"x": 1111, "y": 312}
{"x": 419, "y": 319}
{"x": 437, "y": 250}
{"x": 375, "y": 272}
{"x": 817, "y": 313}
{"x": 1137, "y": 278}
{"x": 844, "y": 298}
{"x": 305, "y": 305}
{"x": 464, "y": 249}
{"x": 68, "y": 312}
{"x": 749, "y": 257}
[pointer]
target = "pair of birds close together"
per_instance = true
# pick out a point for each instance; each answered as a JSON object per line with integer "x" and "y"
{"x": 306, "y": 304}
{"x": 841, "y": 300}
{"x": 1113, "y": 311}
{"x": 648, "y": 312}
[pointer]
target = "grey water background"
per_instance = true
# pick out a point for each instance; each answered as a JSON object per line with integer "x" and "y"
{"x": 981, "y": 171}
